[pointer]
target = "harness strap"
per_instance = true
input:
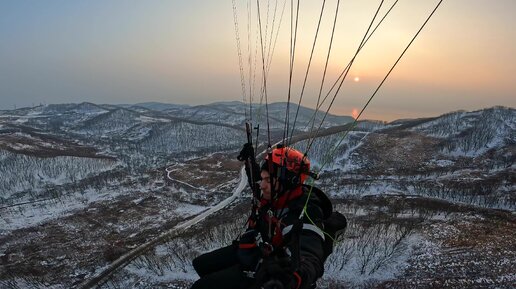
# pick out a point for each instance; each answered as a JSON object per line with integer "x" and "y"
{"x": 247, "y": 246}
{"x": 308, "y": 227}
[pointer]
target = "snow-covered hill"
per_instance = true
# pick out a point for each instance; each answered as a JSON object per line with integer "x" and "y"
{"x": 234, "y": 113}
{"x": 462, "y": 156}
{"x": 97, "y": 181}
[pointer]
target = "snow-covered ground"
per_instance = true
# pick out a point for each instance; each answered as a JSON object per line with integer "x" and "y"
{"x": 403, "y": 187}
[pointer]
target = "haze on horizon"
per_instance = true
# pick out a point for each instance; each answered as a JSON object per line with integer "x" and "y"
{"x": 184, "y": 52}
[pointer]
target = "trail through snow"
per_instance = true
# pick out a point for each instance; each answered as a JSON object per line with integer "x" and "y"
{"x": 127, "y": 258}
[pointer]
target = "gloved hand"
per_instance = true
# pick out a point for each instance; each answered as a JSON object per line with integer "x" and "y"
{"x": 246, "y": 152}
{"x": 273, "y": 284}
{"x": 277, "y": 269}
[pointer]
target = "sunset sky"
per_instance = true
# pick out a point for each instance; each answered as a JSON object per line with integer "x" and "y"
{"x": 184, "y": 52}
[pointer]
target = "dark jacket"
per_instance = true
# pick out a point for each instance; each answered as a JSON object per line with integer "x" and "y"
{"x": 275, "y": 229}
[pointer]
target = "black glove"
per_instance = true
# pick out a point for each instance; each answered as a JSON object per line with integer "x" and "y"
{"x": 277, "y": 269}
{"x": 252, "y": 169}
{"x": 246, "y": 152}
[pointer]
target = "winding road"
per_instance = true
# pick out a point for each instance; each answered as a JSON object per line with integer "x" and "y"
{"x": 121, "y": 262}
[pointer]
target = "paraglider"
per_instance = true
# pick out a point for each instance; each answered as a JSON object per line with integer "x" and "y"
{"x": 292, "y": 226}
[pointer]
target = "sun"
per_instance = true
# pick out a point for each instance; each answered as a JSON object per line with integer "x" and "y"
{"x": 356, "y": 79}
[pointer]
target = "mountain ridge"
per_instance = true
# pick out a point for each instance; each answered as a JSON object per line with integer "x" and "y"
{"x": 407, "y": 187}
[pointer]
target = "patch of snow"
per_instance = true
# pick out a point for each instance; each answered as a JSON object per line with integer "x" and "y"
{"x": 34, "y": 113}
{"x": 138, "y": 201}
{"x": 24, "y": 172}
{"x": 148, "y": 119}
{"x": 507, "y": 278}
{"x": 348, "y": 264}
{"x": 21, "y": 120}
{"x": 167, "y": 275}
{"x": 19, "y": 146}
{"x": 36, "y": 213}
{"x": 442, "y": 163}
{"x": 189, "y": 209}
{"x": 24, "y": 283}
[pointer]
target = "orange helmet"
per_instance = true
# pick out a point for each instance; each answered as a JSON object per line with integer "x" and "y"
{"x": 290, "y": 165}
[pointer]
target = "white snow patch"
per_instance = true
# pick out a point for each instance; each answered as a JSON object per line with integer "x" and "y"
{"x": 147, "y": 275}
{"x": 23, "y": 172}
{"x": 189, "y": 209}
{"x": 33, "y": 214}
{"x": 443, "y": 163}
{"x": 148, "y": 119}
{"x": 348, "y": 264}
{"x": 21, "y": 120}
{"x": 23, "y": 283}
{"x": 138, "y": 201}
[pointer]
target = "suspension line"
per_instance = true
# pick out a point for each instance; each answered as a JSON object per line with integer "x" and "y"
{"x": 307, "y": 70}
{"x": 264, "y": 76}
{"x": 293, "y": 39}
{"x": 344, "y": 77}
{"x": 348, "y": 66}
{"x": 240, "y": 62}
{"x": 355, "y": 122}
{"x": 325, "y": 69}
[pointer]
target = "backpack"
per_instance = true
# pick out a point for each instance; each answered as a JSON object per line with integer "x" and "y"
{"x": 334, "y": 222}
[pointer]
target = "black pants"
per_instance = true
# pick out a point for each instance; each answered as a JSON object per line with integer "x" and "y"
{"x": 220, "y": 269}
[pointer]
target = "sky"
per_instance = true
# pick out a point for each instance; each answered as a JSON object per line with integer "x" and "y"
{"x": 185, "y": 52}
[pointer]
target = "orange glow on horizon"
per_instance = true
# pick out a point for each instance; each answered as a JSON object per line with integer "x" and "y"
{"x": 354, "y": 113}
